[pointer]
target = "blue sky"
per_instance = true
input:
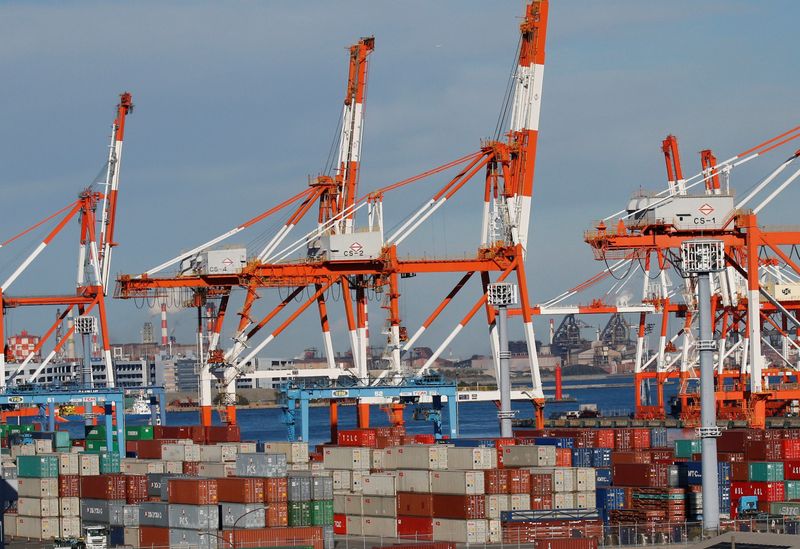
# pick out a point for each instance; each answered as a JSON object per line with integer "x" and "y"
{"x": 237, "y": 105}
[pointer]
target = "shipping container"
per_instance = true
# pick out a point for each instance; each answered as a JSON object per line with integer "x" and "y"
{"x": 37, "y": 466}
{"x": 154, "y": 514}
{"x": 457, "y": 482}
{"x": 195, "y": 517}
{"x": 410, "y": 480}
{"x": 37, "y": 487}
{"x": 192, "y": 539}
{"x": 529, "y": 456}
{"x": 295, "y": 452}
{"x": 346, "y": 458}
{"x": 379, "y": 484}
{"x": 377, "y": 506}
{"x": 417, "y": 528}
{"x": 103, "y": 487}
{"x": 460, "y": 531}
{"x": 38, "y": 507}
{"x": 37, "y": 528}
{"x": 240, "y": 490}
{"x": 152, "y": 537}
{"x": 471, "y": 458}
{"x": 277, "y": 515}
{"x": 192, "y": 491}
{"x": 243, "y": 515}
{"x": 276, "y": 490}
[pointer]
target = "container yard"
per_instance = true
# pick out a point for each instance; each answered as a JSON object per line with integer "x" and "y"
{"x": 716, "y": 324}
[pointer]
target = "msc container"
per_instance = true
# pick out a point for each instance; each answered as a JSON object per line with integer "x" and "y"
{"x": 295, "y": 452}
{"x": 529, "y": 456}
{"x": 299, "y": 513}
{"x": 240, "y": 490}
{"x": 37, "y": 466}
{"x": 299, "y": 488}
{"x": 460, "y": 531}
{"x": 379, "y": 484}
{"x": 192, "y": 491}
{"x": 321, "y": 487}
{"x": 37, "y": 528}
{"x": 194, "y": 517}
{"x": 410, "y": 480}
{"x": 378, "y": 506}
{"x": 379, "y": 527}
{"x": 37, "y": 487}
{"x": 457, "y": 482}
{"x": 471, "y": 458}
{"x": 351, "y": 458}
{"x": 154, "y": 514}
{"x": 38, "y": 507}
{"x": 130, "y": 515}
{"x": 69, "y": 527}
{"x": 261, "y": 465}
{"x": 765, "y": 471}
{"x": 433, "y": 457}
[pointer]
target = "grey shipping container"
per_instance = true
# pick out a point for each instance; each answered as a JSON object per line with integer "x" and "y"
{"x": 94, "y": 511}
{"x": 299, "y": 488}
{"x": 261, "y": 465}
{"x": 243, "y": 515}
{"x": 193, "y": 517}
{"x": 130, "y": 514}
{"x": 193, "y": 539}
{"x": 321, "y": 488}
{"x": 154, "y": 514}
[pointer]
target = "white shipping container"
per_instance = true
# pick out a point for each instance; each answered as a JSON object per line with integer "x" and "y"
{"x": 354, "y": 459}
{"x": 296, "y": 452}
{"x": 338, "y": 504}
{"x": 585, "y": 479}
{"x": 379, "y": 527}
{"x": 37, "y": 528}
{"x": 43, "y": 446}
{"x": 379, "y": 459}
{"x": 519, "y": 502}
{"x": 471, "y": 458}
{"x": 529, "y": 456}
{"x": 460, "y": 531}
{"x": 38, "y": 507}
{"x": 431, "y": 457}
{"x": 174, "y": 467}
{"x": 564, "y": 500}
{"x": 131, "y": 536}
{"x": 180, "y": 452}
{"x": 357, "y": 479}
{"x": 585, "y": 500}
{"x": 68, "y": 464}
{"x": 141, "y": 466}
{"x": 243, "y": 447}
{"x": 457, "y": 482}
{"x": 411, "y": 480}
{"x": 355, "y": 525}
{"x": 69, "y": 507}
{"x": 342, "y": 479}
{"x": 496, "y": 504}
{"x": 353, "y": 505}
{"x": 297, "y": 466}
{"x": 89, "y": 464}
{"x": 37, "y": 487}
{"x": 23, "y": 450}
{"x": 379, "y": 506}
{"x": 494, "y": 533}
{"x": 69, "y": 527}
{"x": 209, "y": 453}
{"x": 379, "y": 484}
{"x": 10, "y": 524}
{"x": 216, "y": 470}
{"x": 225, "y": 261}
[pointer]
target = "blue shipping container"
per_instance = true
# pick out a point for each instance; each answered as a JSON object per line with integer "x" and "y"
{"x": 691, "y": 473}
{"x": 554, "y": 441}
{"x": 581, "y": 457}
{"x": 658, "y": 437}
{"x": 602, "y": 477}
{"x": 610, "y": 498}
{"x": 601, "y": 457}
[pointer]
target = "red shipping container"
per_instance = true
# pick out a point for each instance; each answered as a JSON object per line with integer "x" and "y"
{"x": 528, "y": 433}
{"x": 69, "y": 486}
{"x": 132, "y": 447}
{"x": 654, "y": 475}
{"x": 563, "y": 457}
{"x": 135, "y": 489}
{"x": 192, "y": 491}
{"x": 459, "y": 507}
{"x": 632, "y": 439}
{"x": 366, "y": 438}
{"x": 240, "y": 490}
{"x": 340, "y": 524}
{"x": 276, "y": 490}
{"x": 415, "y": 504}
{"x": 662, "y": 456}
{"x": 149, "y": 449}
{"x": 756, "y": 450}
{"x": 153, "y": 536}
{"x": 791, "y": 470}
{"x": 495, "y": 481}
{"x": 765, "y": 491}
{"x": 604, "y": 438}
{"x": 518, "y": 481}
{"x": 191, "y": 468}
{"x": 541, "y": 484}
{"x": 565, "y": 543}
{"x": 791, "y": 449}
{"x": 424, "y": 439}
{"x": 630, "y": 457}
{"x": 222, "y": 433}
{"x": 414, "y": 527}
{"x": 198, "y": 434}
{"x": 278, "y": 515}
{"x": 542, "y": 502}
{"x": 172, "y": 431}
{"x": 740, "y": 472}
{"x": 271, "y": 537}
{"x": 103, "y": 487}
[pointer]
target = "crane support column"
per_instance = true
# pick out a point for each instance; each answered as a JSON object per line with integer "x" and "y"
{"x": 501, "y": 295}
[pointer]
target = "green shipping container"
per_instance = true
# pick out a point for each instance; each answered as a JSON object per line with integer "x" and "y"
{"x": 62, "y": 439}
{"x": 109, "y": 463}
{"x": 785, "y": 508}
{"x": 37, "y": 466}
{"x": 95, "y": 432}
{"x": 94, "y": 446}
{"x": 765, "y": 471}
{"x": 139, "y": 432}
{"x": 321, "y": 512}
{"x": 685, "y": 448}
{"x": 299, "y": 513}
{"x": 28, "y": 428}
{"x": 792, "y": 489}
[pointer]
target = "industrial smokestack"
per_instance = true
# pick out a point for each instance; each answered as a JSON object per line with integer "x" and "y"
{"x": 164, "y": 333}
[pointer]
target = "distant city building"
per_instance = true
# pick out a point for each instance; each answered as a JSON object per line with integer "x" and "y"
{"x": 147, "y": 333}
{"x": 23, "y": 344}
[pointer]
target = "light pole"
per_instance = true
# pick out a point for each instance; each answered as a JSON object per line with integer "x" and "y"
{"x": 501, "y": 295}
{"x": 700, "y": 258}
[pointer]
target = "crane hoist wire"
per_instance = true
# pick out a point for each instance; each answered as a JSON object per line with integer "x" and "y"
{"x": 506, "y": 106}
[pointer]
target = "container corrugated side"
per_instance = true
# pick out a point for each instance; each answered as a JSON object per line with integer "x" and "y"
{"x": 37, "y": 487}
{"x": 69, "y": 507}
{"x": 38, "y": 507}
{"x": 154, "y": 514}
{"x": 354, "y": 459}
{"x": 529, "y": 456}
{"x": 413, "y": 480}
{"x": 192, "y": 539}
{"x": 460, "y": 531}
{"x": 296, "y": 452}
{"x": 69, "y": 527}
{"x": 37, "y": 528}
{"x": 379, "y": 484}
{"x": 193, "y": 517}
{"x": 379, "y": 527}
{"x": 471, "y": 458}
{"x": 379, "y": 506}
{"x": 243, "y": 515}
{"x": 457, "y": 482}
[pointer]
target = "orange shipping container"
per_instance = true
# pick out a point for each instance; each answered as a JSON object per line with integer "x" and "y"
{"x": 272, "y": 537}
{"x": 278, "y": 515}
{"x": 240, "y": 490}
{"x": 563, "y": 457}
{"x": 103, "y": 487}
{"x": 153, "y": 536}
{"x": 193, "y": 491}
{"x": 276, "y": 490}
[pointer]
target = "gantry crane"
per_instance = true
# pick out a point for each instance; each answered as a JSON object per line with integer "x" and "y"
{"x": 96, "y": 242}
{"x": 362, "y": 261}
